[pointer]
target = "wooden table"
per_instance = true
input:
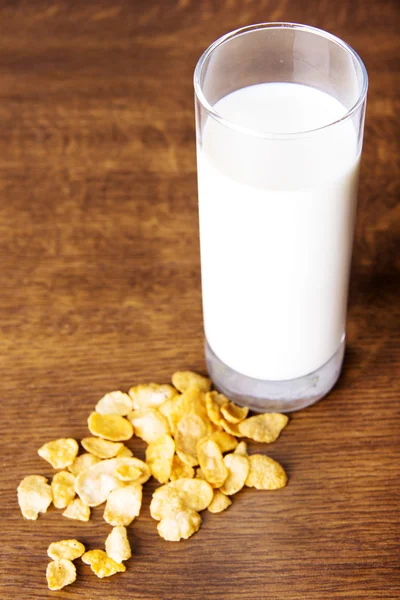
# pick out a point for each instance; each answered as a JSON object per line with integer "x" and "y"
{"x": 100, "y": 288}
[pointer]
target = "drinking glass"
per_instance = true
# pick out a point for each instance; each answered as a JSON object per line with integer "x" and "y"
{"x": 280, "y": 113}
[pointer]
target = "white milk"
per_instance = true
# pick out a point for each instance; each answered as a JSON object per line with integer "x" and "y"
{"x": 276, "y": 230}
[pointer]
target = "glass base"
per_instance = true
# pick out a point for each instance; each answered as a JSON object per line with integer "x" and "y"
{"x": 275, "y": 396}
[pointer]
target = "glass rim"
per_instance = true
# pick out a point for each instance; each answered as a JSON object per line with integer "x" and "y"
{"x": 276, "y": 25}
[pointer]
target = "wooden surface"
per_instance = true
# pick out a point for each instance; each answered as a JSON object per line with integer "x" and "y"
{"x": 100, "y": 289}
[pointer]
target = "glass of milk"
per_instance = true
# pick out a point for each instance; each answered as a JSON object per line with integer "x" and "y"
{"x": 279, "y": 117}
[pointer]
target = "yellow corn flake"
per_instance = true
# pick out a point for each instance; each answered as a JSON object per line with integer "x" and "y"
{"x": 123, "y": 505}
{"x": 192, "y": 402}
{"x": 150, "y": 395}
{"x": 159, "y": 457}
{"x": 114, "y": 403}
{"x": 59, "y": 573}
{"x": 241, "y": 449}
{"x": 94, "y": 485}
{"x": 117, "y": 545}
{"x": 238, "y": 470}
{"x": 126, "y": 469}
{"x": 231, "y": 428}
{"x": 219, "y": 502}
{"x": 263, "y": 428}
{"x": 102, "y": 448}
{"x": 63, "y": 488}
{"x": 179, "y": 495}
{"x": 149, "y": 424}
{"x": 60, "y": 453}
{"x": 128, "y": 473}
{"x": 83, "y": 462}
{"x": 180, "y": 469}
{"x": 101, "y": 564}
{"x": 189, "y": 430}
{"x": 196, "y": 494}
{"x": 214, "y": 403}
{"x": 219, "y": 399}
{"x": 225, "y": 441}
{"x": 184, "y": 380}
{"x": 165, "y": 502}
{"x": 180, "y": 524}
{"x": 215, "y": 428}
{"x": 200, "y": 475}
{"x": 77, "y": 510}
{"x": 169, "y": 410}
{"x": 234, "y": 413}
{"x": 124, "y": 452}
{"x": 265, "y": 473}
{"x": 69, "y": 549}
{"x": 34, "y": 496}
{"x": 110, "y": 427}
{"x": 187, "y": 459}
{"x": 211, "y": 461}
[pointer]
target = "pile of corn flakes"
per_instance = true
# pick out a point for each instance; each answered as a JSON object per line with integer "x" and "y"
{"x": 193, "y": 451}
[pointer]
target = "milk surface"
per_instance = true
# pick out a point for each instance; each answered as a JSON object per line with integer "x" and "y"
{"x": 276, "y": 229}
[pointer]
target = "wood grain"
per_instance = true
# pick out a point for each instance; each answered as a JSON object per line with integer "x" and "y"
{"x": 100, "y": 288}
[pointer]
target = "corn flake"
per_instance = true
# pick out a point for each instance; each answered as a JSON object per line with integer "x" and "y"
{"x": 128, "y": 473}
{"x": 102, "y": 448}
{"x": 94, "y": 485}
{"x": 159, "y": 457}
{"x": 60, "y": 453}
{"x": 196, "y": 494}
{"x": 238, "y": 470}
{"x": 69, "y": 549}
{"x": 123, "y": 505}
{"x": 110, "y": 427}
{"x": 234, "y": 413}
{"x": 126, "y": 469}
{"x": 165, "y": 502}
{"x": 149, "y": 424}
{"x": 180, "y": 524}
{"x": 114, "y": 403}
{"x": 192, "y": 402}
{"x": 231, "y": 428}
{"x": 83, "y": 462}
{"x": 265, "y": 473}
{"x": 219, "y": 502}
{"x": 184, "y": 380}
{"x": 125, "y": 452}
{"x": 150, "y": 395}
{"x": 225, "y": 441}
{"x": 117, "y": 545}
{"x": 77, "y": 510}
{"x": 214, "y": 403}
{"x": 189, "y": 430}
{"x": 179, "y": 495}
{"x": 101, "y": 564}
{"x": 34, "y": 496}
{"x": 263, "y": 428}
{"x": 169, "y": 410}
{"x": 200, "y": 475}
{"x": 63, "y": 488}
{"x": 180, "y": 469}
{"x": 187, "y": 460}
{"x": 211, "y": 461}
{"x": 59, "y": 573}
{"x": 241, "y": 449}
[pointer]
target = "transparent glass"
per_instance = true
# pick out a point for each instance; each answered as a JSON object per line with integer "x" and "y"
{"x": 277, "y": 180}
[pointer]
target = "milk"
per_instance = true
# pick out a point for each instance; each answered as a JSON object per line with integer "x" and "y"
{"x": 276, "y": 227}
